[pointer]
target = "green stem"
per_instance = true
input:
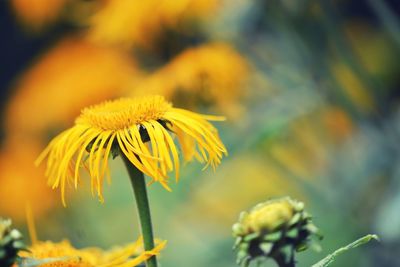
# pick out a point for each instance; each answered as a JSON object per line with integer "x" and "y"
{"x": 142, "y": 202}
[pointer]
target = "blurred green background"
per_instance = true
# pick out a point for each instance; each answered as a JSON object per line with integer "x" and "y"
{"x": 310, "y": 90}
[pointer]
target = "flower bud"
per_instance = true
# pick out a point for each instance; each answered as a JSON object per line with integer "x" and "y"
{"x": 274, "y": 229}
{"x": 10, "y": 243}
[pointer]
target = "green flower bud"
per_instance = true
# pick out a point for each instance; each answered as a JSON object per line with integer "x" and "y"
{"x": 274, "y": 229}
{"x": 10, "y": 243}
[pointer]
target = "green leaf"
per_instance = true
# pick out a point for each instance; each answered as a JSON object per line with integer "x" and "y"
{"x": 266, "y": 247}
{"x": 295, "y": 219}
{"x": 237, "y": 229}
{"x": 250, "y": 237}
{"x": 273, "y": 236}
{"x": 331, "y": 257}
{"x": 292, "y": 233}
{"x": 237, "y": 242}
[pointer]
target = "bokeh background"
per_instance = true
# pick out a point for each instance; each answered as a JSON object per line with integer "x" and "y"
{"x": 310, "y": 90}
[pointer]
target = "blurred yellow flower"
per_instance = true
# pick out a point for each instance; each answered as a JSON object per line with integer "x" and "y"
{"x": 37, "y": 13}
{"x": 127, "y": 23}
{"x": 63, "y": 254}
{"x": 21, "y": 182}
{"x": 127, "y": 124}
{"x": 303, "y": 150}
{"x": 213, "y": 74}
{"x": 251, "y": 178}
{"x": 338, "y": 123}
{"x": 374, "y": 48}
{"x": 72, "y": 75}
{"x": 353, "y": 86}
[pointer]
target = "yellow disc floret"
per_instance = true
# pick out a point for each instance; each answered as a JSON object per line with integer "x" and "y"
{"x": 124, "y": 112}
{"x": 268, "y": 217}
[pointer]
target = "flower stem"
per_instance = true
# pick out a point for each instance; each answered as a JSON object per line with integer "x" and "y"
{"x": 142, "y": 202}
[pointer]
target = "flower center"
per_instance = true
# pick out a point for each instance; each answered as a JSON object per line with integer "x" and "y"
{"x": 123, "y": 113}
{"x": 270, "y": 216}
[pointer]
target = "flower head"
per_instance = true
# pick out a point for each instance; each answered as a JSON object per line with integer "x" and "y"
{"x": 21, "y": 182}
{"x": 146, "y": 20}
{"x": 139, "y": 128}
{"x": 69, "y": 76}
{"x": 273, "y": 229}
{"x": 63, "y": 254}
{"x": 39, "y": 13}
{"x": 213, "y": 74}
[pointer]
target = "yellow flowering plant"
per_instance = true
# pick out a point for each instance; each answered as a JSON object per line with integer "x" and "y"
{"x": 140, "y": 131}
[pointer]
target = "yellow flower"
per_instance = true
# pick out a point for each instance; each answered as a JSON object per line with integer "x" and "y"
{"x": 214, "y": 74}
{"x": 222, "y": 205}
{"x": 21, "y": 182}
{"x": 338, "y": 123}
{"x": 127, "y": 124}
{"x": 63, "y": 254}
{"x": 71, "y": 75}
{"x": 38, "y": 13}
{"x": 127, "y": 23}
{"x": 356, "y": 89}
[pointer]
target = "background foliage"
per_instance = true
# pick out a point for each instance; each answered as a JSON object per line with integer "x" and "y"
{"x": 310, "y": 90}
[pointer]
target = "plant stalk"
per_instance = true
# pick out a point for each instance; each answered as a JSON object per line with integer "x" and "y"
{"x": 142, "y": 203}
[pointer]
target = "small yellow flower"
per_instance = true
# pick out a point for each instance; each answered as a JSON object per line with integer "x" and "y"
{"x": 63, "y": 254}
{"x": 138, "y": 127}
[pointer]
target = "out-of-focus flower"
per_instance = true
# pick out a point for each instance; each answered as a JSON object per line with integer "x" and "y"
{"x": 213, "y": 74}
{"x": 338, "y": 123}
{"x": 73, "y": 74}
{"x": 21, "y": 182}
{"x": 273, "y": 229}
{"x": 63, "y": 254}
{"x": 125, "y": 125}
{"x": 37, "y": 13}
{"x": 10, "y": 243}
{"x": 222, "y": 205}
{"x": 303, "y": 150}
{"x": 375, "y": 50}
{"x": 127, "y": 23}
{"x": 355, "y": 88}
